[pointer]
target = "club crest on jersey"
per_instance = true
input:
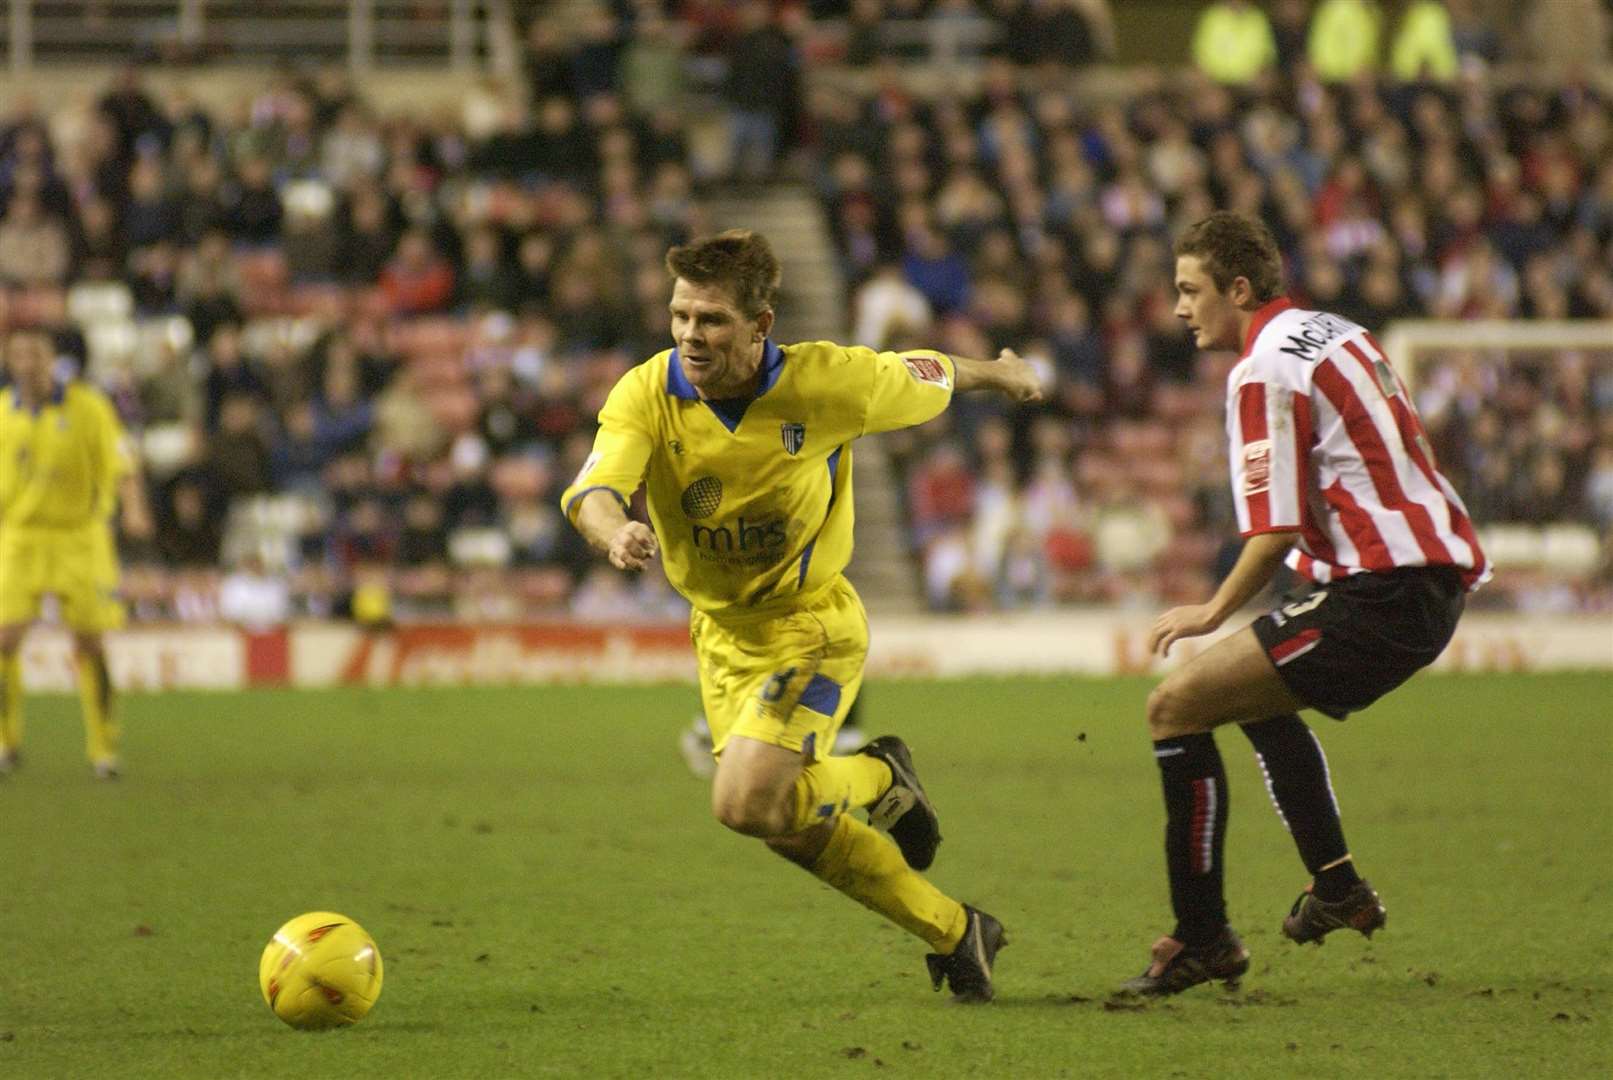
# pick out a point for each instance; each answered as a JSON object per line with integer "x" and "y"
{"x": 794, "y": 436}
{"x": 926, "y": 369}
{"x": 1257, "y": 467}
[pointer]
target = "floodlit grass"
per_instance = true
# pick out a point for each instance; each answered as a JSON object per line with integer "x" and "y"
{"x": 552, "y": 897}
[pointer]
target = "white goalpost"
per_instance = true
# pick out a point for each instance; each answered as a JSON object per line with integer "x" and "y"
{"x": 1410, "y": 341}
{"x": 1555, "y": 564}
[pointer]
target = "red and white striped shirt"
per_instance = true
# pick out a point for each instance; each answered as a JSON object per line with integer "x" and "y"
{"x": 1325, "y": 440}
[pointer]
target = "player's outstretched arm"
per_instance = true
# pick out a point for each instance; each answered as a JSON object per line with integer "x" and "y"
{"x": 630, "y": 545}
{"x": 1009, "y": 375}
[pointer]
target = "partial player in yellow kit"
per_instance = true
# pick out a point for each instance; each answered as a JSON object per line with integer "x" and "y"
{"x": 64, "y": 467}
{"x": 744, "y": 449}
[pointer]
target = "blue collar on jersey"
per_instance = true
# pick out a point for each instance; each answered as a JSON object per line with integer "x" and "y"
{"x": 728, "y": 411}
{"x": 58, "y": 394}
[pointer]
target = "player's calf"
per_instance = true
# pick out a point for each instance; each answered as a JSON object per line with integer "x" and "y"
{"x": 904, "y": 810}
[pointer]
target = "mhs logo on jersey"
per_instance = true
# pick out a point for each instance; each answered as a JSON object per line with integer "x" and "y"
{"x": 746, "y": 536}
{"x": 741, "y": 536}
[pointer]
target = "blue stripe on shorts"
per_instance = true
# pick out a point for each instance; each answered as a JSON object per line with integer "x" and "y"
{"x": 822, "y": 695}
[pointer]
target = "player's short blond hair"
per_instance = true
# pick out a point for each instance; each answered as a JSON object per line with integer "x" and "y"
{"x": 1229, "y": 246}
{"x": 740, "y": 260}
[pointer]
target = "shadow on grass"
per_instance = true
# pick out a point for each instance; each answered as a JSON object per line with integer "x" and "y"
{"x": 374, "y": 1028}
{"x": 1123, "y": 1003}
{"x": 1037, "y": 1001}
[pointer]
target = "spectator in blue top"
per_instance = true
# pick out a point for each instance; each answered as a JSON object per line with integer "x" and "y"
{"x": 937, "y": 271}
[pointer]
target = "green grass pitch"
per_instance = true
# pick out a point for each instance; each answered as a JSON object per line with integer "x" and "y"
{"x": 552, "y": 897}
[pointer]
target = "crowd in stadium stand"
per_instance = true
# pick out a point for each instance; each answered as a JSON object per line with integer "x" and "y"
{"x": 363, "y": 352}
{"x": 400, "y": 326}
{"x": 1015, "y": 216}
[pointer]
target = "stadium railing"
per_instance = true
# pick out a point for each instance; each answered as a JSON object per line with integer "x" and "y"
{"x": 463, "y": 34}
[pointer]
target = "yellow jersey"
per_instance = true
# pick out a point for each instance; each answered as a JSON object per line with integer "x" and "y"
{"x": 60, "y": 463}
{"x": 751, "y": 499}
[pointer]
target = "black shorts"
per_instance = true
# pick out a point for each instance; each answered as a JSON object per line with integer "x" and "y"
{"x": 1339, "y": 647}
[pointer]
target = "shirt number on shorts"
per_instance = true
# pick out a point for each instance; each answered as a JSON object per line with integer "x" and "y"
{"x": 1310, "y": 603}
{"x": 1299, "y": 607}
{"x": 777, "y": 685}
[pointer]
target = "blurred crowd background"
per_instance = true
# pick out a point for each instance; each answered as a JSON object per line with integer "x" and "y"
{"x": 361, "y": 348}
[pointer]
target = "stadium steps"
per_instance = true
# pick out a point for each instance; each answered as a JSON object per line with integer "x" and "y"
{"x": 812, "y": 306}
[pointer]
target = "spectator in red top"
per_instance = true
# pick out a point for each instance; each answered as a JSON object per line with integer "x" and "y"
{"x": 941, "y": 493}
{"x": 418, "y": 281}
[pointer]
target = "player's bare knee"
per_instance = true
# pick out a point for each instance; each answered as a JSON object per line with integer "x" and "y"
{"x": 1167, "y": 710}
{"x": 751, "y": 812}
{"x": 88, "y": 645}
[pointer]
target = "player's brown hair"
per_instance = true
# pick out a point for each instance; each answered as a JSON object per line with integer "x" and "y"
{"x": 740, "y": 260}
{"x": 1229, "y": 246}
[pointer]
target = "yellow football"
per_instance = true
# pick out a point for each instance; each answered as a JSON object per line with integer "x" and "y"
{"x": 320, "y": 970}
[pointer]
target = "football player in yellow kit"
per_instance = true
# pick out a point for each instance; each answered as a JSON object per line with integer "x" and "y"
{"x": 744, "y": 449}
{"x": 65, "y": 465}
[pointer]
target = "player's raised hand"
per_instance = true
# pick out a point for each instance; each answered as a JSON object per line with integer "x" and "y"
{"x": 1018, "y": 378}
{"x": 1178, "y": 623}
{"x": 633, "y": 546}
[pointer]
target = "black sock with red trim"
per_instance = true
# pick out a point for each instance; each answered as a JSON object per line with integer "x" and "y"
{"x": 1302, "y": 790}
{"x": 1195, "y": 784}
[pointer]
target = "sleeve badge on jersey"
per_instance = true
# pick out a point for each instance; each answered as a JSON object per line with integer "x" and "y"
{"x": 587, "y": 467}
{"x": 926, "y": 369}
{"x": 1257, "y": 467}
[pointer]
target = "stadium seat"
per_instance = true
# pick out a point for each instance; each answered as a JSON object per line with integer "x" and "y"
{"x": 111, "y": 343}
{"x": 92, "y": 302}
{"x": 1513, "y": 547}
{"x": 1570, "y": 550}
{"x": 155, "y": 336}
{"x": 166, "y": 448}
{"x": 479, "y": 547}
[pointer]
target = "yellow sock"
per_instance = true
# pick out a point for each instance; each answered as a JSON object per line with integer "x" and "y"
{"x": 100, "y": 716}
{"x": 11, "y": 701}
{"x": 870, "y": 869}
{"x": 837, "y": 784}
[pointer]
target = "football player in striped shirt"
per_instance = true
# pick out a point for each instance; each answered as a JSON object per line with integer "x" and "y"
{"x": 1332, "y": 474}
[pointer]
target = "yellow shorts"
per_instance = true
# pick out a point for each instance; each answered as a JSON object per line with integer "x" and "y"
{"x": 76, "y": 565}
{"x": 787, "y": 680}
